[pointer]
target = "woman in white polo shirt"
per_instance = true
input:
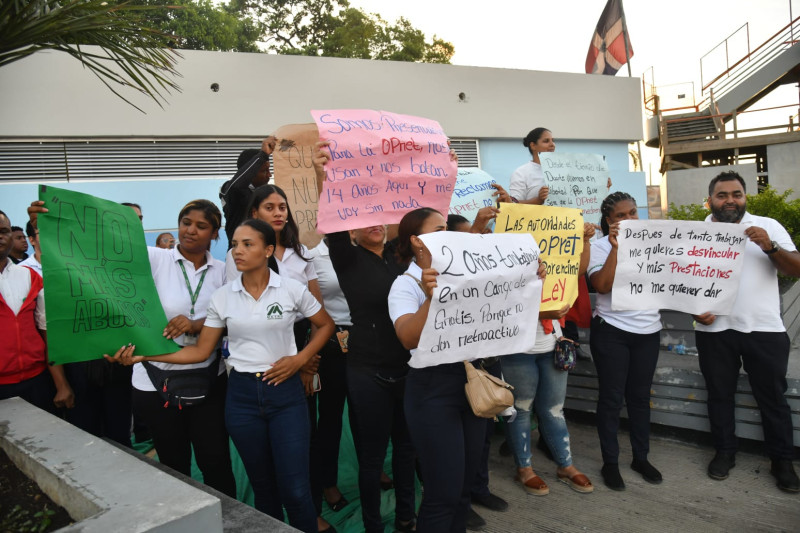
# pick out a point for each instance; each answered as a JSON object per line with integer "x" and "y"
{"x": 185, "y": 278}
{"x": 625, "y": 351}
{"x": 265, "y": 412}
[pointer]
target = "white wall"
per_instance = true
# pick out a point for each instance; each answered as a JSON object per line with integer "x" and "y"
{"x": 690, "y": 186}
{"x": 783, "y": 166}
{"x": 49, "y": 95}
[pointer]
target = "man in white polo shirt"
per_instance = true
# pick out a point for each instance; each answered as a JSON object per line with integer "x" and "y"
{"x": 752, "y": 335}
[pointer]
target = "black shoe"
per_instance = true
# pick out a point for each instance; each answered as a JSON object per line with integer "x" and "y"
{"x": 490, "y": 501}
{"x": 581, "y": 354}
{"x": 611, "y": 476}
{"x": 505, "y": 449}
{"x": 542, "y": 445}
{"x": 648, "y": 471}
{"x": 405, "y": 527}
{"x": 338, "y": 505}
{"x": 785, "y": 476}
{"x": 474, "y": 522}
{"x": 720, "y": 465}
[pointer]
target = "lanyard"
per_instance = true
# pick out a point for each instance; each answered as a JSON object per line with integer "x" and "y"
{"x": 192, "y": 295}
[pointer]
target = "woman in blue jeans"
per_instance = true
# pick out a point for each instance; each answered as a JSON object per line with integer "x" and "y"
{"x": 265, "y": 412}
{"x": 625, "y": 352}
{"x": 538, "y": 383}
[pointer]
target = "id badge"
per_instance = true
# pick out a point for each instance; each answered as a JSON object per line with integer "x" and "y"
{"x": 343, "y": 337}
{"x": 189, "y": 339}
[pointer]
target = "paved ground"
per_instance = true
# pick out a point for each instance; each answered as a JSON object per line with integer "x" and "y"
{"x": 687, "y": 500}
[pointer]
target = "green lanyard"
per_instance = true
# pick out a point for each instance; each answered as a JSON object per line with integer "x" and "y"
{"x": 192, "y": 295}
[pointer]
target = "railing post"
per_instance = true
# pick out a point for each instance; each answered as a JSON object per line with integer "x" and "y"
{"x": 735, "y": 126}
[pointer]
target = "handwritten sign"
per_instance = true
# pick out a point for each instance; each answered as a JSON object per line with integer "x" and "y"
{"x": 559, "y": 234}
{"x": 692, "y": 267}
{"x": 99, "y": 289}
{"x": 486, "y": 301}
{"x": 576, "y": 180}
{"x": 294, "y": 173}
{"x": 382, "y": 165}
{"x": 472, "y": 192}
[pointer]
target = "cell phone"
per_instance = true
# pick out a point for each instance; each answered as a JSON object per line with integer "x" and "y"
{"x": 317, "y": 383}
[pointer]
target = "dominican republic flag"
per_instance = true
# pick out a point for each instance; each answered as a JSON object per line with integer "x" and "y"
{"x": 607, "y": 51}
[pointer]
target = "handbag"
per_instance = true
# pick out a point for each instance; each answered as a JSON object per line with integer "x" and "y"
{"x": 183, "y": 388}
{"x": 565, "y": 357}
{"x": 487, "y": 395}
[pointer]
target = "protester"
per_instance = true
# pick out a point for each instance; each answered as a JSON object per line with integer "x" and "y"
{"x": 377, "y": 364}
{"x": 34, "y": 260}
{"x": 752, "y": 335}
{"x": 538, "y": 383}
{"x": 625, "y": 351}
{"x": 527, "y": 182}
{"x": 165, "y": 241}
{"x": 136, "y": 209}
{"x": 19, "y": 245}
{"x": 186, "y": 277}
{"x": 252, "y": 172}
{"x": 23, "y": 348}
{"x": 265, "y": 411}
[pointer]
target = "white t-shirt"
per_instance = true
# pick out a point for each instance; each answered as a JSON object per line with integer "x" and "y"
{"x": 644, "y": 322}
{"x": 526, "y": 181}
{"x": 335, "y": 302}
{"x": 545, "y": 342}
{"x": 757, "y": 306}
{"x": 260, "y": 331}
{"x": 406, "y": 297}
{"x": 15, "y": 284}
{"x": 31, "y": 262}
{"x": 175, "y": 299}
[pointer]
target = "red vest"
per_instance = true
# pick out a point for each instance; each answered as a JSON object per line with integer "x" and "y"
{"x": 23, "y": 352}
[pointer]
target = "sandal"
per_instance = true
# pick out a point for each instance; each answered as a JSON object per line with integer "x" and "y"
{"x": 534, "y": 485}
{"x": 338, "y": 505}
{"x": 579, "y": 483}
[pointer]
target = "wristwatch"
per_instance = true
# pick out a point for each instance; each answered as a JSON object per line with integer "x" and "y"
{"x": 774, "y": 248}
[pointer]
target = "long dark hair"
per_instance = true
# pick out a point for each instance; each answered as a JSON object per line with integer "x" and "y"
{"x": 267, "y": 234}
{"x": 210, "y": 213}
{"x": 608, "y": 205}
{"x": 411, "y": 224}
{"x": 533, "y": 136}
{"x": 290, "y": 235}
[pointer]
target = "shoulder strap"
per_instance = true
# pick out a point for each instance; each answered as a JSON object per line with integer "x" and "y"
{"x": 419, "y": 283}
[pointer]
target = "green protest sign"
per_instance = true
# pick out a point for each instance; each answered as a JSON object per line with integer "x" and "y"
{"x": 98, "y": 288}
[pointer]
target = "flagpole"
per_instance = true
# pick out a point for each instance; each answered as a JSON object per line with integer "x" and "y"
{"x": 630, "y": 75}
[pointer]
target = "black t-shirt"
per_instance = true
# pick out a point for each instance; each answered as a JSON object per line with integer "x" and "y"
{"x": 237, "y": 191}
{"x": 365, "y": 280}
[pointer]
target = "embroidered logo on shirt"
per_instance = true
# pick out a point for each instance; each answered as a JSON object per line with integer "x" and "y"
{"x": 274, "y": 311}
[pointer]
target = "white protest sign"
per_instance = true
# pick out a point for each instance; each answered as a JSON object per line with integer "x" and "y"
{"x": 472, "y": 192}
{"x": 692, "y": 267}
{"x": 487, "y": 299}
{"x": 576, "y": 180}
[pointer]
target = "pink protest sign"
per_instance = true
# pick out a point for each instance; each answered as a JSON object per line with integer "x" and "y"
{"x": 382, "y": 165}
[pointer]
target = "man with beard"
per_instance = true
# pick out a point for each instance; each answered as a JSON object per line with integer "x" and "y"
{"x": 752, "y": 335}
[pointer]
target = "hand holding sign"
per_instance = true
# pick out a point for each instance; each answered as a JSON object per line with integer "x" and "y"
{"x": 380, "y": 166}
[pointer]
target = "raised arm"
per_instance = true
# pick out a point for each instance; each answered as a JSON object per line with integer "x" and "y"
{"x": 408, "y": 327}
{"x": 603, "y": 279}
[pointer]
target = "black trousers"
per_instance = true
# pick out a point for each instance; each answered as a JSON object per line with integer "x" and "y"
{"x": 202, "y": 427}
{"x": 626, "y": 363}
{"x": 38, "y": 390}
{"x": 765, "y": 356}
{"x": 481, "y": 485}
{"x": 377, "y": 400}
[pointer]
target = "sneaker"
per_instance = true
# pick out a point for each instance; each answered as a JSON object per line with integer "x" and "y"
{"x": 490, "y": 501}
{"x": 648, "y": 471}
{"x": 474, "y": 521}
{"x": 581, "y": 354}
{"x": 720, "y": 465}
{"x": 611, "y": 476}
{"x": 785, "y": 476}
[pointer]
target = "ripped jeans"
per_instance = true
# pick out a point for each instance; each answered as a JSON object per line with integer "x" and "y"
{"x": 537, "y": 383}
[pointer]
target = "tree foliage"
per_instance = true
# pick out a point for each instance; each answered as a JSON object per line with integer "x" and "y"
{"x": 130, "y": 54}
{"x": 332, "y": 28}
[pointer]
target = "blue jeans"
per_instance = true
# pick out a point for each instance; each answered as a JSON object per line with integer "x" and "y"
{"x": 537, "y": 383}
{"x": 269, "y": 426}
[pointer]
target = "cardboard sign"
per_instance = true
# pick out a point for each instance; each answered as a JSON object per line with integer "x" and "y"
{"x": 559, "y": 233}
{"x": 473, "y": 192}
{"x": 99, "y": 290}
{"x": 294, "y": 173}
{"x": 687, "y": 266}
{"x": 382, "y": 165}
{"x": 576, "y": 180}
{"x": 487, "y": 299}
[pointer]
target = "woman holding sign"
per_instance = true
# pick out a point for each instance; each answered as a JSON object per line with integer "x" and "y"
{"x": 527, "y": 182}
{"x": 625, "y": 351}
{"x": 265, "y": 410}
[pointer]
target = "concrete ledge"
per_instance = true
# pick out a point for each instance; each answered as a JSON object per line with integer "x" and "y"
{"x": 103, "y": 488}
